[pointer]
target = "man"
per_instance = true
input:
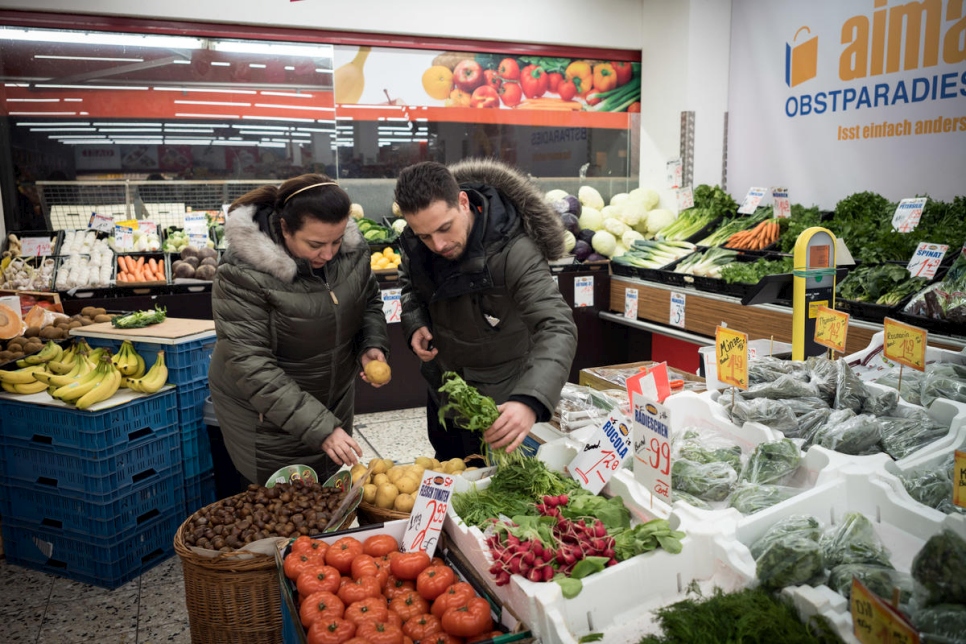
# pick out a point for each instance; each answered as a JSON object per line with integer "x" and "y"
{"x": 478, "y": 297}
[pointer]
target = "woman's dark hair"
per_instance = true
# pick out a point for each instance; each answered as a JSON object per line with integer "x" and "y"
{"x": 421, "y": 184}
{"x": 308, "y": 195}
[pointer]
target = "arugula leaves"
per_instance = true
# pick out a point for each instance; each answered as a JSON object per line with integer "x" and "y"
{"x": 473, "y": 411}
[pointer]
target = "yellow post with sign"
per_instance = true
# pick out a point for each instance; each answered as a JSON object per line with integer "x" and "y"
{"x": 813, "y": 287}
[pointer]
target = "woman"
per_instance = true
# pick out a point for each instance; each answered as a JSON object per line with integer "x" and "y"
{"x": 297, "y": 313}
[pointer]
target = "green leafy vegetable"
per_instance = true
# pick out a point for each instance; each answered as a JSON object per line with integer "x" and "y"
{"x": 752, "y": 272}
{"x": 645, "y": 537}
{"x": 140, "y": 319}
{"x": 886, "y": 284}
{"x": 472, "y": 410}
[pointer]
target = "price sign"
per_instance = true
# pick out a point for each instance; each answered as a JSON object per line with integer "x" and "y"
{"x": 35, "y": 247}
{"x": 675, "y": 172}
{"x": 685, "y": 198}
{"x": 429, "y": 511}
{"x": 630, "y": 303}
{"x": 731, "y": 354}
{"x": 198, "y": 240}
{"x": 876, "y": 622}
{"x": 677, "y": 310}
{"x": 103, "y": 223}
{"x": 148, "y": 227}
{"x": 752, "y": 199}
{"x": 780, "y": 203}
{"x": 584, "y": 291}
{"x": 652, "y": 446}
{"x": 392, "y": 305}
{"x": 926, "y": 260}
{"x": 907, "y": 214}
{"x": 904, "y": 343}
{"x": 123, "y": 238}
{"x": 196, "y": 223}
{"x": 959, "y": 479}
{"x": 831, "y": 328}
{"x": 603, "y": 454}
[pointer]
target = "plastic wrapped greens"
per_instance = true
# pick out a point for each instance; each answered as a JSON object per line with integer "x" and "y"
{"x": 690, "y": 499}
{"x": 785, "y": 386}
{"x": 809, "y": 423}
{"x": 850, "y": 391}
{"x": 768, "y": 412}
{"x": 940, "y": 567}
{"x": 805, "y": 405}
{"x": 944, "y": 380}
{"x": 772, "y": 462}
{"x": 933, "y": 487}
{"x": 911, "y": 390}
{"x": 768, "y": 368}
{"x": 749, "y": 498}
{"x": 822, "y": 373}
{"x": 857, "y": 436}
{"x": 707, "y": 481}
{"x": 789, "y": 553}
{"x": 708, "y": 449}
{"x": 854, "y": 541}
{"x": 880, "y": 403}
{"x": 903, "y": 436}
{"x": 879, "y": 579}
{"x": 942, "y": 623}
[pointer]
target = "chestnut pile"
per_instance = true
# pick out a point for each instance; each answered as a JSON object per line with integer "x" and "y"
{"x": 285, "y": 510}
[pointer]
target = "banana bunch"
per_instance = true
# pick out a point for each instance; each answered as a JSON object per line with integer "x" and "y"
{"x": 81, "y": 367}
{"x": 51, "y": 351}
{"x": 58, "y": 368}
{"x": 128, "y": 361}
{"x": 99, "y": 384}
{"x": 153, "y": 380}
{"x": 23, "y": 380}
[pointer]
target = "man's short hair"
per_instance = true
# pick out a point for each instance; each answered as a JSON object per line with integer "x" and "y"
{"x": 421, "y": 184}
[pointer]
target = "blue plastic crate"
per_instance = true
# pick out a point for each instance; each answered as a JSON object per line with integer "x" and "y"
{"x": 64, "y": 469}
{"x": 73, "y": 516}
{"x": 114, "y": 428}
{"x": 199, "y": 491}
{"x": 195, "y": 449}
{"x": 102, "y": 562}
{"x": 191, "y": 402}
{"x": 187, "y": 361}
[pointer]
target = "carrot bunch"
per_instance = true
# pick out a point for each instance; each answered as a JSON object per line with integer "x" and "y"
{"x": 761, "y": 236}
{"x": 138, "y": 270}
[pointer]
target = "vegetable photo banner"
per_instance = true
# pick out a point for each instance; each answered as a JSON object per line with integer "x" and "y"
{"x": 833, "y": 97}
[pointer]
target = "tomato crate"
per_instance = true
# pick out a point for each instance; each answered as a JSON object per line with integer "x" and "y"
{"x": 67, "y": 470}
{"x": 108, "y": 563}
{"x": 195, "y": 449}
{"x": 114, "y": 428}
{"x": 191, "y": 401}
{"x": 199, "y": 491}
{"x": 187, "y": 362}
{"x": 75, "y": 516}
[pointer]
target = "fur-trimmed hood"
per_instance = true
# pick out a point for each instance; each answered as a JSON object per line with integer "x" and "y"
{"x": 541, "y": 222}
{"x": 250, "y": 238}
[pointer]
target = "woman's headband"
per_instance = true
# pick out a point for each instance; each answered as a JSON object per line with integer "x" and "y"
{"x": 314, "y": 185}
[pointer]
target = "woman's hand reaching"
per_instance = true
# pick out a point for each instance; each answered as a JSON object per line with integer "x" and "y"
{"x": 342, "y": 448}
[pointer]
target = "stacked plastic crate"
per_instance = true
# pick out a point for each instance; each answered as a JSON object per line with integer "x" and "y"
{"x": 91, "y": 495}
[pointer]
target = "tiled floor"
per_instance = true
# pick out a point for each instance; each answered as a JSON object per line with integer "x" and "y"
{"x": 37, "y": 607}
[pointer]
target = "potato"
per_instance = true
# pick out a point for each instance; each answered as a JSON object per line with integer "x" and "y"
{"x": 404, "y": 503}
{"x": 380, "y": 479}
{"x": 378, "y": 465}
{"x": 357, "y": 471}
{"x": 369, "y": 493}
{"x": 386, "y": 496}
{"x": 425, "y": 461}
{"x": 407, "y": 484}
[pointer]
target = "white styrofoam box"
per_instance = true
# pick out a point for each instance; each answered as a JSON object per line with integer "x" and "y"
{"x": 871, "y": 363}
{"x": 755, "y": 348}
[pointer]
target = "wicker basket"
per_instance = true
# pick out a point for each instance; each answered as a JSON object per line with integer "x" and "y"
{"x": 369, "y": 514}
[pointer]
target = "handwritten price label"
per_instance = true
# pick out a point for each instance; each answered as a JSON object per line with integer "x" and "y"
{"x": 652, "y": 447}
{"x": 959, "y": 479}
{"x": 675, "y": 172}
{"x": 100, "y": 222}
{"x": 676, "y": 311}
{"x": 630, "y": 303}
{"x": 603, "y": 454}
{"x": 584, "y": 291}
{"x": 195, "y": 223}
{"x": 876, "y": 622}
{"x": 781, "y": 205}
{"x": 904, "y": 343}
{"x": 752, "y": 199}
{"x": 429, "y": 511}
{"x": 685, "y": 198}
{"x": 908, "y": 213}
{"x": 123, "y": 238}
{"x": 831, "y": 328}
{"x": 926, "y": 260}
{"x": 35, "y": 247}
{"x": 731, "y": 353}
{"x": 392, "y": 305}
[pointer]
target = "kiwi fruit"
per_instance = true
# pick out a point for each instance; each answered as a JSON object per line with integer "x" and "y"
{"x": 53, "y": 333}
{"x": 89, "y": 311}
{"x": 6, "y": 356}
{"x": 32, "y": 331}
{"x": 74, "y": 324}
{"x": 86, "y": 320}
{"x": 103, "y": 317}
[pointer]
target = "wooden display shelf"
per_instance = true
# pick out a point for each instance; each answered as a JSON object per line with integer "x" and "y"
{"x": 703, "y": 312}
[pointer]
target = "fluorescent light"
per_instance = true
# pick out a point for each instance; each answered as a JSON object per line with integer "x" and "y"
{"x": 43, "y": 113}
{"x": 88, "y": 142}
{"x": 213, "y": 90}
{"x": 278, "y": 118}
{"x": 99, "y": 38}
{"x": 180, "y": 61}
{"x": 274, "y": 49}
{"x": 61, "y": 129}
{"x": 206, "y": 116}
{"x": 219, "y": 103}
{"x": 137, "y": 141}
{"x": 136, "y": 136}
{"x": 191, "y": 131}
{"x": 265, "y": 144}
{"x": 332, "y": 121}
{"x": 238, "y": 143}
{"x": 198, "y": 141}
{"x": 124, "y": 124}
{"x": 124, "y": 87}
{"x": 52, "y": 123}
{"x": 73, "y": 100}
{"x": 75, "y": 136}
{"x": 260, "y": 127}
{"x": 16, "y": 84}
{"x": 220, "y": 63}
{"x": 276, "y": 106}
{"x": 259, "y": 133}
{"x": 314, "y": 129}
{"x": 257, "y": 65}
{"x": 128, "y": 129}
{"x": 290, "y": 68}
{"x": 98, "y": 58}
{"x": 33, "y": 100}
{"x": 195, "y": 125}
{"x": 288, "y": 94}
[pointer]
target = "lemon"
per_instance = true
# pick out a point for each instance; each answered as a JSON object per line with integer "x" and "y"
{"x": 388, "y": 251}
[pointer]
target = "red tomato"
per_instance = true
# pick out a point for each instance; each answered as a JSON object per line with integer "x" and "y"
{"x": 322, "y": 605}
{"x": 367, "y": 565}
{"x": 358, "y": 589}
{"x": 441, "y": 637}
{"x": 341, "y": 553}
{"x": 319, "y": 577}
{"x": 624, "y": 72}
{"x": 394, "y": 619}
{"x": 491, "y": 78}
{"x": 305, "y": 544}
{"x": 567, "y": 90}
{"x": 511, "y": 94}
{"x": 296, "y": 564}
{"x": 484, "y": 96}
{"x": 380, "y": 632}
{"x": 395, "y": 586}
{"x": 419, "y": 627}
{"x": 434, "y": 580}
{"x": 380, "y": 545}
{"x": 408, "y": 605}
{"x": 509, "y": 69}
{"x": 408, "y": 565}
{"x": 553, "y": 81}
{"x": 468, "y": 620}
{"x": 456, "y": 595}
{"x": 331, "y": 631}
{"x": 368, "y": 608}
{"x": 533, "y": 81}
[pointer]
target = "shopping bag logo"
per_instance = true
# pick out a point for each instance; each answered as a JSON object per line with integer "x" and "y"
{"x": 801, "y": 60}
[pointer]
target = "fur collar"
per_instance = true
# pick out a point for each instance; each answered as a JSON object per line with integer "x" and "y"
{"x": 250, "y": 243}
{"x": 541, "y": 222}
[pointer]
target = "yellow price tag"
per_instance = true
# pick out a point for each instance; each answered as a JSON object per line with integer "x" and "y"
{"x": 959, "y": 479}
{"x": 129, "y": 223}
{"x": 731, "y": 352}
{"x": 876, "y": 622}
{"x": 815, "y": 307}
{"x": 831, "y": 328}
{"x": 904, "y": 343}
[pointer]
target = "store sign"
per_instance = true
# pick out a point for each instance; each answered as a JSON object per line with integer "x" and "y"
{"x": 602, "y": 454}
{"x": 926, "y": 260}
{"x": 652, "y": 447}
{"x": 752, "y": 201}
{"x": 831, "y": 328}
{"x": 904, "y": 343}
{"x": 429, "y": 511}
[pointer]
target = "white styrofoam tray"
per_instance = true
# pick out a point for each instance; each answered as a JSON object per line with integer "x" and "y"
{"x": 755, "y": 348}
{"x": 870, "y": 363}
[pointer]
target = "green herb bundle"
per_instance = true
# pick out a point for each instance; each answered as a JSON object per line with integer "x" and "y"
{"x": 140, "y": 319}
{"x": 472, "y": 410}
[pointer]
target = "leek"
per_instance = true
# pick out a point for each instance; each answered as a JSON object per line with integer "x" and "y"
{"x": 707, "y": 264}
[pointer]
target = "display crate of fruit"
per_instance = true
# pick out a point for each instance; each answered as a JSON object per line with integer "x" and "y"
{"x": 27, "y": 262}
{"x": 192, "y": 265}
